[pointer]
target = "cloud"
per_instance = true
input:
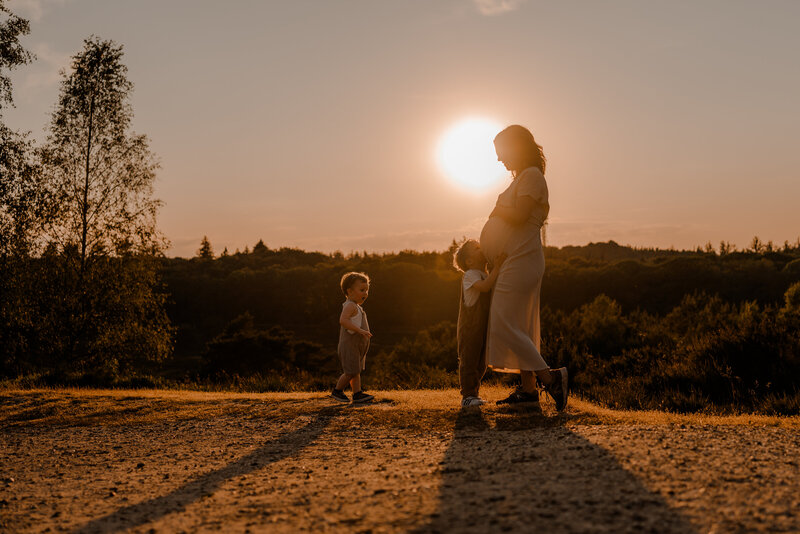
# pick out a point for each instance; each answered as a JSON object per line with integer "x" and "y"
{"x": 186, "y": 247}
{"x": 33, "y": 10}
{"x": 437, "y": 240}
{"x": 386, "y": 242}
{"x": 497, "y": 7}
{"x": 44, "y": 72}
{"x": 559, "y": 233}
{"x": 636, "y": 233}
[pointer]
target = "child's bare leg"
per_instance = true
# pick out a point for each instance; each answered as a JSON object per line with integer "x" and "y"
{"x": 343, "y": 381}
{"x": 355, "y": 383}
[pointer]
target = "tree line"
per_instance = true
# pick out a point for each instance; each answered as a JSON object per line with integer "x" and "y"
{"x": 410, "y": 291}
{"x": 643, "y": 328}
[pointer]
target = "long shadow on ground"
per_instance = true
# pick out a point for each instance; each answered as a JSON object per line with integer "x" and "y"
{"x": 529, "y": 473}
{"x": 272, "y": 451}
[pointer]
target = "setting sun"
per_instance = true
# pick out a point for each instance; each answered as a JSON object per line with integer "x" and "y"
{"x": 466, "y": 154}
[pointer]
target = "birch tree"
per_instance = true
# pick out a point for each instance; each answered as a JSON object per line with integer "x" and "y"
{"x": 105, "y": 235}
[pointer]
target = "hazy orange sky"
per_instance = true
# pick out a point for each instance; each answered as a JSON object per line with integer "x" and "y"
{"x": 314, "y": 124}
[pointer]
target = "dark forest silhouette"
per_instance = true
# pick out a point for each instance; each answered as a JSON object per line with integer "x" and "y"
{"x": 640, "y": 328}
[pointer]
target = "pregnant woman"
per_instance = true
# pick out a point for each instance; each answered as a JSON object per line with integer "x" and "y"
{"x": 514, "y": 228}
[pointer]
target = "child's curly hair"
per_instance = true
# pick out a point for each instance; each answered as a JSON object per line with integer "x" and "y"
{"x": 349, "y": 279}
{"x": 460, "y": 255}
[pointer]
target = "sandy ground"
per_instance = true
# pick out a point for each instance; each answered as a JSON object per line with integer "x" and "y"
{"x": 101, "y": 461}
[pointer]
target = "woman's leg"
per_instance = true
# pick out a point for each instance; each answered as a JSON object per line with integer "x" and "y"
{"x": 545, "y": 376}
{"x": 528, "y": 383}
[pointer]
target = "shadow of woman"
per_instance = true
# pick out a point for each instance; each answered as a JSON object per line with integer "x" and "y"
{"x": 272, "y": 451}
{"x": 530, "y": 472}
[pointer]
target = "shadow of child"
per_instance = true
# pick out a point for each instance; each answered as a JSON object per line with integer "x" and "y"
{"x": 272, "y": 451}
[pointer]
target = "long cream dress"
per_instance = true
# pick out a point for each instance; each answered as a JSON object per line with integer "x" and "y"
{"x": 513, "y": 335}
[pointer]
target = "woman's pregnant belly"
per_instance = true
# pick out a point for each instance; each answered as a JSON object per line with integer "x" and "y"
{"x": 494, "y": 237}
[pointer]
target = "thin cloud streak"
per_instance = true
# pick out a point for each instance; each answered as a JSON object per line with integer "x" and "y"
{"x": 558, "y": 233}
{"x": 431, "y": 240}
{"x": 491, "y": 8}
{"x": 33, "y": 10}
{"x": 395, "y": 241}
{"x": 45, "y": 71}
{"x": 561, "y": 233}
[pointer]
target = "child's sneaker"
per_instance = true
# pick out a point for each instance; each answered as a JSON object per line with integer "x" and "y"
{"x": 472, "y": 401}
{"x": 559, "y": 388}
{"x": 362, "y": 397}
{"x": 339, "y": 395}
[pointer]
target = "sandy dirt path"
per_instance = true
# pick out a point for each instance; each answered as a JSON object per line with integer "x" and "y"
{"x": 103, "y": 461}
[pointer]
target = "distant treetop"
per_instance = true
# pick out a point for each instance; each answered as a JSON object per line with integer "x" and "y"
{"x": 205, "y": 251}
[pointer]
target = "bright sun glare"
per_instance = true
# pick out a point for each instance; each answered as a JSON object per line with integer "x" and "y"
{"x": 466, "y": 154}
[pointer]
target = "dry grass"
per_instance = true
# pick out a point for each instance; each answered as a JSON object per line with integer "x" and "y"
{"x": 424, "y": 410}
{"x": 609, "y": 416}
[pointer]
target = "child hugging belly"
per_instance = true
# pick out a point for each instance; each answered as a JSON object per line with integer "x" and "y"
{"x": 473, "y": 317}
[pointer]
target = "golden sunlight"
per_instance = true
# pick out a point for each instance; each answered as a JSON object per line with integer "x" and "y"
{"x": 465, "y": 154}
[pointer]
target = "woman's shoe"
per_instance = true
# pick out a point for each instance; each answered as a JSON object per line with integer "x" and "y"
{"x": 519, "y": 396}
{"x": 559, "y": 388}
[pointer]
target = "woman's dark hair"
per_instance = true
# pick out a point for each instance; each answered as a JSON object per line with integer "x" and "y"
{"x": 349, "y": 280}
{"x": 519, "y": 136}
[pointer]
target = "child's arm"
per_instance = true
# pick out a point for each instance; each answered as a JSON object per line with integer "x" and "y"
{"x": 348, "y": 311}
{"x": 486, "y": 285}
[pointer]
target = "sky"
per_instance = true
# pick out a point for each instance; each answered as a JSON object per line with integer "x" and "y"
{"x": 315, "y": 124}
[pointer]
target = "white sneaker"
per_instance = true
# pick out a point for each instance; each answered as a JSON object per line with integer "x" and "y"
{"x": 472, "y": 401}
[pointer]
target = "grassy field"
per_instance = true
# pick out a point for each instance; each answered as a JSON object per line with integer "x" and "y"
{"x": 398, "y": 408}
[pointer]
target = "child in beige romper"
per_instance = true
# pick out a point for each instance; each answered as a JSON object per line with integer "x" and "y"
{"x": 354, "y": 337}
